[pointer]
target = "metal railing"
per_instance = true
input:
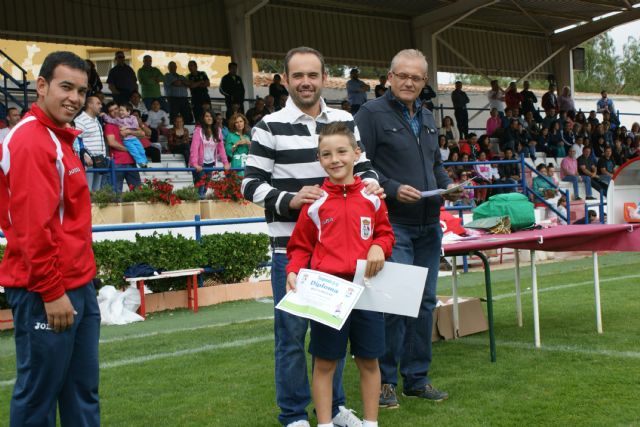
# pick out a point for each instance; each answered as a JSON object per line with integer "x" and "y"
{"x": 21, "y": 86}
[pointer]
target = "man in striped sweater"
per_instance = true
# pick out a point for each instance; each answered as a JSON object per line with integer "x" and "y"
{"x": 282, "y": 174}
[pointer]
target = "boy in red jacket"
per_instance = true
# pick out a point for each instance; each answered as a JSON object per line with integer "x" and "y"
{"x": 48, "y": 265}
{"x": 344, "y": 225}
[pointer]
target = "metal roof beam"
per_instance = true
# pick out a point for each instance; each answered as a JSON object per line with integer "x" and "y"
{"x": 573, "y": 37}
{"x": 451, "y": 12}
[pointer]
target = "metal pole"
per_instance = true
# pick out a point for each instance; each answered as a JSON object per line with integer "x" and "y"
{"x": 596, "y": 288}
{"x": 487, "y": 284}
{"x": 518, "y": 294}
{"x": 454, "y": 291}
{"x": 534, "y": 290}
{"x": 567, "y": 196}
{"x": 199, "y": 240}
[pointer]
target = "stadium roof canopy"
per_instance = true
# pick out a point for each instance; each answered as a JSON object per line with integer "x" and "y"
{"x": 517, "y": 38}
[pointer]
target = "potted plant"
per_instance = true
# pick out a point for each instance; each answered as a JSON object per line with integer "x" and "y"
{"x": 224, "y": 198}
{"x": 155, "y": 201}
{"x": 105, "y": 208}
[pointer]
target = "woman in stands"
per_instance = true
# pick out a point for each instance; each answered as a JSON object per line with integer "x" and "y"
{"x": 483, "y": 177}
{"x": 494, "y": 122}
{"x": 207, "y": 147}
{"x": 178, "y": 139}
{"x": 444, "y": 147}
{"x": 556, "y": 146}
{"x": 449, "y": 130}
{"x": 238, "y": 141}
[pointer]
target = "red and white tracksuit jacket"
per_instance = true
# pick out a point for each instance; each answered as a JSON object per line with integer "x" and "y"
{"x": 338, "y": 229}
{"x": 45, "y": 209}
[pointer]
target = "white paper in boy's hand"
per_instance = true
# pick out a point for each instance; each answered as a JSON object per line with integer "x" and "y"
{"x": 396, "y": 289}
{"x": 441, "y": 191}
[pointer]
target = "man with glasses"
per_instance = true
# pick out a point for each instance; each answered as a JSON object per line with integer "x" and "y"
{"x": 122, "y": 80}
{"x": 401, "y": 140}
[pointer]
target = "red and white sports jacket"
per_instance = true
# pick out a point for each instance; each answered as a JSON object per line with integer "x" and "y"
{"x": 45, "y": 209}
{"x": 338, "y": 229}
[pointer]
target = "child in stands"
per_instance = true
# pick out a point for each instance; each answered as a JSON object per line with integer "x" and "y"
{"x": 331, "y": 234}
{"x": 132, "y": 143}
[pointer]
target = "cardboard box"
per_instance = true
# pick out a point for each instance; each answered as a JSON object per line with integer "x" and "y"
{"x": 471, "y": 316}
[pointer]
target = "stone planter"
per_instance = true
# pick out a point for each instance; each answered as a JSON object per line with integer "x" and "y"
{"x": 110, "y": 214}
{"x": 209, "y": 295}
{"x": 159, "y": 212}
{"x": 6, "y": 319}
{"x": 220, "y": 209}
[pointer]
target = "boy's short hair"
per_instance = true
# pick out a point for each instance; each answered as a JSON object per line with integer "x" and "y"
{"x": 338, "y": 128}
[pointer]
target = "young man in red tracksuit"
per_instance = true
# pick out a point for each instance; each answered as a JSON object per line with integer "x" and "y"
{"x": 331, "y": 234}
{"x": 48, "y": 265}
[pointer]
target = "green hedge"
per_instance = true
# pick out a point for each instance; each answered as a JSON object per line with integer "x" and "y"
{"x": 239, "y": 255}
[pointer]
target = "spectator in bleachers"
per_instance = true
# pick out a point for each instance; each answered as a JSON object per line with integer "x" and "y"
{"x": 470, "y": 146}
{"x": 512, "y": 98}
{"x": 283, "y": 100}
{"x": 635, "y": 130}
{"x": 460, "y": 100}
{"x": 528, "y": 102}
{"x": 218, "y": 119}
{"x": 557, "y": 146}
{"x": 541, "y": 186}
{"x": 510, "y": 137}
{"x": 13, "y": 117}
{"x": 551, "y": 174}
{"x": 119, "y": 153}
{"x": 620, "y": 132}
{"x": 550, "y": 118}
{"x": 561, "y": 207}
{"x": 345, "y": 106}
{"x": 506, "y": 119}
{"x": 634, "y": 150}
{"x": 578, "y": 145}
{"x": 494, "y": 122}
{"x": 207, "y": 148}
{"x": 199, "y": 85}
{"x": 612, "y": 118}
{"x": 158, "y": 121}
{"x": 178, "y": 139}
{"x": 177, "y": 93}
{"x": 509, "y": 173}
{"x": 136, "y": 102}
{"x": 122, "y": 80}
{"x": 256, "y": 113}
{"x": 591, "y": 218}
{"x": 531, "y": 125}
{"x": 449, "y": 130}
{"x": 150, "y": 78}
{"x": 580, "y": 118}
{"x": 483, "y": 176}
{"x": 356, "y": 90}
{"x": 95, "y": 84}
{"x": 569, "y": 173}
{"x": 496, "y": 95}
{"x": 605, "y": 103}
{"x": 568, "y": 136}
{"x": 456, "y": 170}
{"x": 593, "y": 119}
{"x": 606, "y": 166}
{"x": 550, "y": 101}
{"x": 381, "y": 88}
{"x": 152, "y": 150}
{"x": 526, "y": 145}
{"x": 468, "y": 197}
{"x": 427, "y": 95}
{"x": 238, "y": 141}
{"x": 485, "y": 145}
{"x": 621, "y": 150}
{"x": 566, "y": 102}
{"x": 232, "y": 88}
{"x": 581, "y": 130}
{"x": 443, "y": 146}
{"x": 269, "y": 104}
{"x": 464, "y": 157}
{"x": 92, "y": 139}
{"x": 124, "y": 120}
{"x": 543, "y": 141}
{"x": 597, "y": 133}
{"x": 277, "y": 90}
{"x": 599, "y": 146}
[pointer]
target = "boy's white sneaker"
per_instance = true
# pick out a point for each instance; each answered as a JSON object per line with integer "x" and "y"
{"x": 346, "y": 418}
{"x": 299, "y": 423}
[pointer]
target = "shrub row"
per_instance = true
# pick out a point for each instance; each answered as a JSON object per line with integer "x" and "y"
{"x": 236, "y": 256}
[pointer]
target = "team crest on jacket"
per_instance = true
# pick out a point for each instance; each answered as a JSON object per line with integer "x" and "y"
{"x": 365, "y": 227}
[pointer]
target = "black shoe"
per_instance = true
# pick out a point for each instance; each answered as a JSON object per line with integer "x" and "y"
{"x": 591, "y": 198}
{"x": 388, "y": 398}
{"x": 427, "y": 392}
{"x": 577, "y": 198}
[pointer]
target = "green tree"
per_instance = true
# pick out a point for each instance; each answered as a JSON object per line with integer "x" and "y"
{"x": 601, "y": 66}
{"x": 630, "y": 66}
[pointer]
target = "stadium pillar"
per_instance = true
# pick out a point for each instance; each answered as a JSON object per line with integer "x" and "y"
{"x": 563, "y": 70}
{"x": 238, "y": 15}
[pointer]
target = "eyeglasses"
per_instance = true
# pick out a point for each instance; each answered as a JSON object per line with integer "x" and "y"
{"x": 403, "y": 77}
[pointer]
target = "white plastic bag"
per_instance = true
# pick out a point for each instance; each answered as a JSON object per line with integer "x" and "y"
{"x": 119, "y": 308}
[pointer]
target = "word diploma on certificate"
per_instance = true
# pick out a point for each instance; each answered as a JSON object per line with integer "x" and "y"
{"x": 321, "y": 297}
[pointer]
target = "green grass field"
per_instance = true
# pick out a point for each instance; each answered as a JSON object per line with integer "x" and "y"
{"x": 215, "y": 368}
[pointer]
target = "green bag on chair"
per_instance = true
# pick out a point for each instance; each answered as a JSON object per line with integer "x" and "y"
{"x": 514, "y": 205}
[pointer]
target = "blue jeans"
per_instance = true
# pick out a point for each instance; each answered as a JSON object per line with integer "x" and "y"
{"x": 55, "y": 369}
{"x": 292, "y": 383}
{"x": 96, "y": 180}
{"x": 408, "y": 339}
{"x": 132, "y": 177}
{"x": 575, "y": 180}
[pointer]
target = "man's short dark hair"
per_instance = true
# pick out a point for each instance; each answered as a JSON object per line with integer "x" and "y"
{"x": 86, "y": 101}
{"x": 10, "y": 109}
{"x": 302, "y": 49}
{"x": 54, "y": 59}
{"x": 233, "y": 64}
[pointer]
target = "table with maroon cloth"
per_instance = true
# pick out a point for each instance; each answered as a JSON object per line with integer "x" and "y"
{"x": 566, "y": 238}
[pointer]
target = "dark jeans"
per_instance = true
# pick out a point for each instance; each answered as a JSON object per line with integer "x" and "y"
{"x": 184, "y": 149}
{"x": 55, "y": 370}
{"x": 132, "y": 177}
{"x": 292, "y": 382}
{"x": 153, "y": 153}
{"x": 462, "y": 121}
{"x": 408, "y": 339}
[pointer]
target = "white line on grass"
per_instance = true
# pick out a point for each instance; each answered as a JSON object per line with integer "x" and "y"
{"x": 185, "y": 352}
{"x": 171, "y": 331}
{"x": 567, "y": 286}
{"x": 552, "y": 348}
